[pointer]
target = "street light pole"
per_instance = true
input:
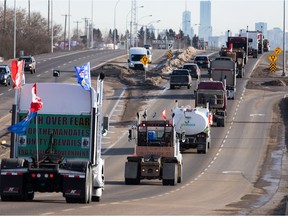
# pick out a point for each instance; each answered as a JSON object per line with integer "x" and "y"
{"x": 14, "y": 53}
{"x": 284, "y": 41}
{"x": 145, "y": 29}
{"x": 114, "y": 41}
{"x": 52, "y": 29}
{"x": 137, "y": 27}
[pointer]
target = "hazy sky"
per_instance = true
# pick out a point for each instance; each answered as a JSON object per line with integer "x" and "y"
{"x": 226, "y": 14}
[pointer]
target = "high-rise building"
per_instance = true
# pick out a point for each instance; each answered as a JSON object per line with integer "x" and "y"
{"x": 261, "y": 26}
{"x": 205, "y": 28}
{"x": 186, "y": 23}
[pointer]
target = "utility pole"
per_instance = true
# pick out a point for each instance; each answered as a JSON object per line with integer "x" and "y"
{"x": 86, "y": 29}
{"x": 48, "y": 31}
{"x": 77, "y": 23}
{"x": 52, "y": 29}
{"x": 284, "y": 41}
{"x": 65, "y": 31}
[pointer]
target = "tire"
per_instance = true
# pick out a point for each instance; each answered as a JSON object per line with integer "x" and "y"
{"x": 88, "y": 186}
{"x": 129, "y": 181}
{"x": 188, "y": 87}
{"x": 179, "y": 179}
{"x": 171, "y": 86}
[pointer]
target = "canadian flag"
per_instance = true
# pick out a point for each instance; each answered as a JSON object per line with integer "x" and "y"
{"x": 17, "y": 73}
{"x": 164, "y": 114}
{"x": 230, "y": 48}
{"x": 36, "y": 103}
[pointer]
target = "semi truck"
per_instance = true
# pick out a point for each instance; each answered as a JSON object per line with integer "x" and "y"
{"x": 157, "y": 153}
{"x": 195, "y": 123}
{"x": 255, "y": 42}
{"x": 266, "y": 45}
{"x": 237, "y": 49}
{"x": 135, "y": 56}
{"x": 61, "y": 149}
{"x": 224, "y": 69}
{"x": 213, "y": 94}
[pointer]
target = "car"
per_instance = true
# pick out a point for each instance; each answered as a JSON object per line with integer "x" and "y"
{"x": 29, "y": 63}
{"x": 193, "y": 68}
{"x": 147, "y": 46}
{"x": 203, "y": 61}
{"x": 5, "y": 75}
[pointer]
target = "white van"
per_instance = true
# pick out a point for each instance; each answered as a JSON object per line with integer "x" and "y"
{"x": 135, "y": 55}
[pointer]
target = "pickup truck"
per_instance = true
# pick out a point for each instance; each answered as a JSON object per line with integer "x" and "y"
{"x": 180, "y": 77}
{"x": 194, "y": 70}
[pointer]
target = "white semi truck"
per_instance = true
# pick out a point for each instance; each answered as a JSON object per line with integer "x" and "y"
{"x": 61, "y": 150}
{"x": 157, "y": 153}
{"x": 195, "y": 124}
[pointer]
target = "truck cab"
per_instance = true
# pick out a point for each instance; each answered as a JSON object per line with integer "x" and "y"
{"x": 157, "y": 153}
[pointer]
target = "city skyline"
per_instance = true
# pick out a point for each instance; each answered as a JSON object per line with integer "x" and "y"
{"x": 223, "y": 16}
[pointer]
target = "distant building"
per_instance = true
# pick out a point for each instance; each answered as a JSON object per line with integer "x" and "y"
{"x": 261, "y": 26}
{"x": 205, "y": 28}
{"x": 186, "y": 23}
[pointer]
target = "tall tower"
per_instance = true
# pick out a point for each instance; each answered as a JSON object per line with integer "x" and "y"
{"x": 205, "y": 28}
{"x": 133, "y": 23}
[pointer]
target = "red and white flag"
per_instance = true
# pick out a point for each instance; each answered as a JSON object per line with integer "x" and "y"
{"x": 17, "y": 73}
{"x": 230, "y": 48}
{"x": 164, "y": 114}
{"x": 36, "y": 103}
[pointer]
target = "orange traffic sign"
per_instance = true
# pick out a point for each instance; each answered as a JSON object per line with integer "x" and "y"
{"x": 144, "y": 60}
{"x": 278, "y": 50}
{"x": 273, "y": 58}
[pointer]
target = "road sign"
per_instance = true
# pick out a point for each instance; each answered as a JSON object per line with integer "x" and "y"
{"x": 273, "y": 67}
{"x": 273, "y": 58}
{"x": 170, "y": 53}
{"x": 144, "y": 60}
{"x": 278, "y": 50}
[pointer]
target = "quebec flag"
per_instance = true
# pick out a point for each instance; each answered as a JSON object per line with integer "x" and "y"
{"x": 21, "y": 127}
{"x": 83, "y": 76}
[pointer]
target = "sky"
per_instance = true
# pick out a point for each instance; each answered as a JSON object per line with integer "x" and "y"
{"x": 225, "y": 14}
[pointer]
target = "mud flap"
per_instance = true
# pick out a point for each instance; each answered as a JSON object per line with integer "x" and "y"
{"x": 131, "y": 170}
{"x": 170, "y": 174}
{"x": 74, "y": 186}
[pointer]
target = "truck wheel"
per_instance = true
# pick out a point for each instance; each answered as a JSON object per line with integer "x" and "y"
{"x": 188, "y": 87}
{"x": 180, "y": 174}
{"x": 88, "y": 186}
{"x": 129, "y": 181}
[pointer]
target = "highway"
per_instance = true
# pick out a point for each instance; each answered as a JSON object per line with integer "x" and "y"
{"x": 219, "y": 182}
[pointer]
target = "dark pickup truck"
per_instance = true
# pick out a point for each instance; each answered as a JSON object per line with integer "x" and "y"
{"x": 180, "y": 77}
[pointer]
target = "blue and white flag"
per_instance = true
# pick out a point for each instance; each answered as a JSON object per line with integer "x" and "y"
{"x": 21, "y": 127}
{"x": 83, "y": 76}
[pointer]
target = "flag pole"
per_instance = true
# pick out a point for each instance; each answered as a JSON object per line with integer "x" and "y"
{"x": 37, "y": 156}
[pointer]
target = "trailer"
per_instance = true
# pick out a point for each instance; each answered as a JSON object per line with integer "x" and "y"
{"x": 214, "y": 94}
{"x": 224, "y": 69}
{"x": 195, "y": 123}
{"x": 61, "y": 149}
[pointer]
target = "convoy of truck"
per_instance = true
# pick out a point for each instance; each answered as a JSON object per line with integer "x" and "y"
{"x": 61, "y": 149}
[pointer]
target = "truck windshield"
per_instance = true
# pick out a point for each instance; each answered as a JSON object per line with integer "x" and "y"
{"x": 136, "y": 57}
{"x": 155, "y": 137}
{"x": 212, "y": 99}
